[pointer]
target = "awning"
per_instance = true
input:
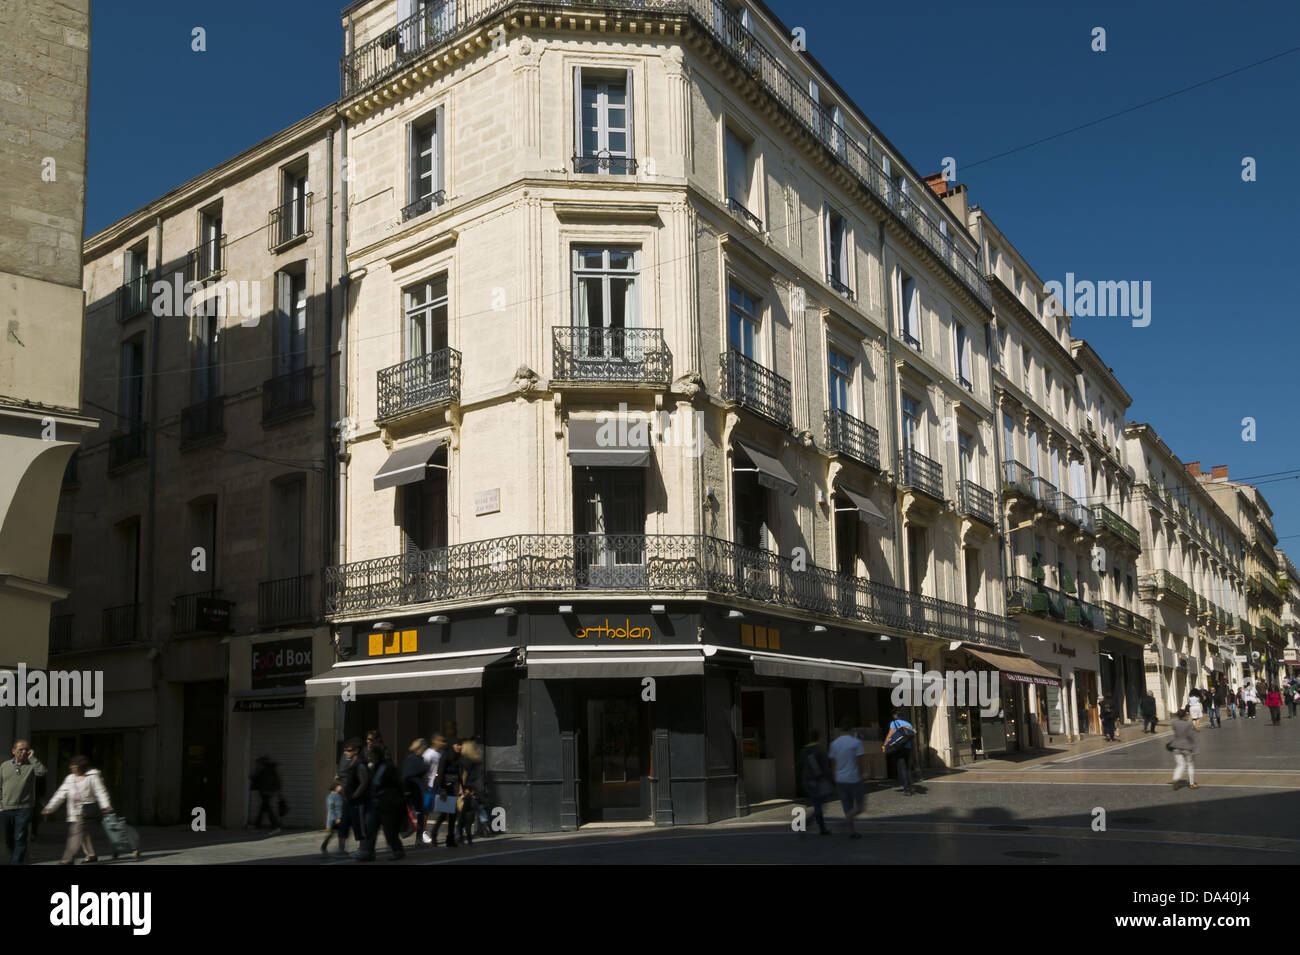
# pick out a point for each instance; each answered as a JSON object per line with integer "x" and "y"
{"x": 1016, "y": 669}
{"x": 886, "y": 678}
{"x": 867, "y": 511}
{"x": 612, "y": 443}
{"x": 403, "y": 676}
{"x": 407, "y": 465}
{"x": 806, "y": 670}
{"x": 563, "y": 664}
{"x": 771, "y": 472}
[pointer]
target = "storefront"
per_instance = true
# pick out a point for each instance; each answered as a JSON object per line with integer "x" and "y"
{"x": 598, "y": 712}
{"x": 1005, "y": 724}
{"x": 1122, "y": 679}
{"x": 1072, "y": 708}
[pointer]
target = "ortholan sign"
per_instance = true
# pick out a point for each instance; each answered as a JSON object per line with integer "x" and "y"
{"x": 281, "y": 663}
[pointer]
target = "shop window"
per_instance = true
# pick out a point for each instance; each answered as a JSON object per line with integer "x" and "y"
{"x": 609, "y": 525}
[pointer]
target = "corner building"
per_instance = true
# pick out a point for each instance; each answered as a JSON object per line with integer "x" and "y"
{"x": 558, "y": 215}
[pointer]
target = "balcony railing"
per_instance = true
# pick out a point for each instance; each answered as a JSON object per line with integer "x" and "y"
{"x": 284, "y": 601}
{"x": 203, "y": 420}
{"x": 1165, "y": 582}
{"x": 841, "y": 287}
{"x": 847, "y": 435}
{"x": 1108, "y": 520}
{"x": 207, "y": 260}
{"x": 133, "y": 297}
{"x": 546, "y": 564}
{"x": 60, "y": 632}
{"x": 121, "y": 624}
{"x": 287, "y": 395}
{"x": 425, "y": 381}
{"x": 917, "y": 471}
{"x": 749, "y": 384}
{"x": 1017, "y": 479}
{"x": 603, "y": 162}
{"x": 737, "y": 207}
{"x": 1122, "y": 618}
{"x": 201, "y": 612}
{"x": 1074, "y": 512}
{"x": 127, "y": 446}
{"x": 610, "y": 355}
{"x": 396, "y": 49}
{"x": 422, "y": 205}
{"x": 289, "y": 221}
{"x": 976, "y": 501}
{"x": 1046, "y": 493}
{"x": 1034, "y": 597}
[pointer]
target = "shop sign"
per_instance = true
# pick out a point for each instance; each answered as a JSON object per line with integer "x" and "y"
{"x": 487, "y": 502}
{"x": 281, "y": 663}
{"x": 258, "y": 706}
{"x": 1031, "y": 678}
{"x": 394, "y": 641}
{"x": 625, "y": 632}
{"x": 1064, "y": 651}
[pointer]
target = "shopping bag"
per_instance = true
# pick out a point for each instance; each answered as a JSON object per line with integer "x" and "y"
{"x": 444, "y": 804}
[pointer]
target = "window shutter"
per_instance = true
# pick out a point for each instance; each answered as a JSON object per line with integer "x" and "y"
{"x": 440, "y": 149}
{"x": 577, "y": 114}
{"x": 630, "y": 118}
{"x": 283, "y": 322}
{"x": 412, "y": 165}
{"x": 844, "y": 251}
{"x": 826, "y": 229}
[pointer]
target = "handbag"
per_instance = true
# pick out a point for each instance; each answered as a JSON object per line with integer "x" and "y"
{"x": 410, "y": 822}
{"x": 90, "y": 812}
{"x": 445, "y": 804}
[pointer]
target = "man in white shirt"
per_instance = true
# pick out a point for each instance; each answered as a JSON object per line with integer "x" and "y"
{"x": 431, "y": 756}
{"x": 848, "y": 758}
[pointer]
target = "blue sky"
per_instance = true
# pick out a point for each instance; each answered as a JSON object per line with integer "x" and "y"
{"x": 1155, "y": 195}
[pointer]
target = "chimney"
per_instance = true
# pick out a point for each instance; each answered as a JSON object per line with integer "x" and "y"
{"x": 1194, "y": 468}
{"x": 938, "y": 185}
{"x": 1219, "y": 472}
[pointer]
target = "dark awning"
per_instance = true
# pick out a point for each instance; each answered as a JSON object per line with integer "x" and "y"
{"x": 1016, "y": 669}
{"x": 564, "y": 664}
{"x": 771, "y": 472}
{"x": 611, "y": 443}
{"x": 403, "y": 676}
{"x": 806, "y": 670}
{"x": 867, "y": 511}
{"x": 407, "y": 465}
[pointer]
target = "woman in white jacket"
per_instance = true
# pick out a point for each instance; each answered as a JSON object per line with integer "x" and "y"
{"x": 83, "y": 786}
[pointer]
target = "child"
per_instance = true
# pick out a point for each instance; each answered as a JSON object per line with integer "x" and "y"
{"x": 334, "y": 818}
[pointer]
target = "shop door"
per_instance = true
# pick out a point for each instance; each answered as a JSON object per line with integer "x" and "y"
{"x": 617, "y": 758}
{"x": 203, "y": 747}
{"x": 288, "y": 737}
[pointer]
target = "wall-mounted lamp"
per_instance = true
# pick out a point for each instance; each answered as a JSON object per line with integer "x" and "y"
{"x": 383, "y": 626}
{"x": 440, "y": 619}
{"x": 506, "y": 611}
{"x": 821, "y": 496}
{"x": 658, "y": 608}
{"x": 955, "y": 645}
{"x": 884, "y": 638}
{"x": 710, "y": 493}
{"x": 734, "y": 614}
{"x": 817, "y": 628}
{"x": 566, "y": 608}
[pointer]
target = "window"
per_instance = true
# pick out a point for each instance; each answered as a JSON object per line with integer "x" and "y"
{"x": 1003, "y": 355}
{"x": 609, "y": 508}
{"x": 910, "y": 318}
{"x": 918, "y": 560}
{"x": 743, "y": 322}
{"x": 603, "y": 122}
{"x": 293, "y": 201}
{"x": 961, "y": 355}
{"x": 424, "y": 508}
{"x": 837, "y": 131}
{"x": 840, "y": 371}
{"x": 130, "y": 404}
{"x": 966, "y": 457}
{"x": 425, "y": 305}
{"x": 973, "y": 576}
{"x": 1008, "y": 437}
{"x": 135, "y": 279}
{"x": 995, "y": 259}
{"x": 290, "y": 322}
{"x": 1026, "y": 368}
{"x": 202, "y": 518}
{"x": 739, "y": 177}
{"x": 1054, "y": 461}
{"x": 814, "y": 94}
{"x": 204, "y": 356}
{"x": 605, "y": 300}
{"x": 837, "y": 250}
{"x": 1031, "y": 447}
{"x": 127, "y": 570}
{"x": 211, "y": 248}
{"x": 911, "y": 425}
{"x": 424, "y": 163}
{"x": 287, "y": 547}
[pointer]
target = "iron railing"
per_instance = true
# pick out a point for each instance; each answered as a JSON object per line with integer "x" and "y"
{"x": 976, "y": 501}
{"x": 604, "y": 162}
{"x": 127, "y": 446}
{"x": 422, "y": 205}
{"x": 917, "y": 471}
{"x": 1045, "y": 493}
{"x": 1122, "y": 618}
{"x": 845, "y": 434}
{"x": 287, "y": 395}
{"x": 1034, "y": 597}
{"x": 646, "y": 564}
{"x": 1017, "y": 479}
{"x": 421, "y": 382}
{"x": 186, "y": 618}
{"x": 284, "y": 601}
{"x": 736, "y": 206}
{"x": 121, "y": 624}
{"x": 206, "y": 419}
{"x": 1108, "y": 520}
{"x": 749, "y": 384}
{"x": 289, "y": 221}
{"x": 206, "y": 260}
{"x": 842, "y": 287}
{"x": 133, "y": 297}
{"x": 1164, "y": 581}
{"x": 1074, "y": 512}
{"x": 627, "y": 355}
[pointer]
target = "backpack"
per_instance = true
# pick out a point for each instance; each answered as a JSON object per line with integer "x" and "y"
{"x": 901, "y": 738}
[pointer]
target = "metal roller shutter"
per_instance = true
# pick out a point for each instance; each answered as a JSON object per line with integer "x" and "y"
{"x": 289, "y": 737}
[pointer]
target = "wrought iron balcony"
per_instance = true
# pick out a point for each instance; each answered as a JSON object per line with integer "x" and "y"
{"x": 1074, "y": 512}
{"x": 207, "y": 260}
{"x": 1045, "y": 493}
{"x": 121, "y": 624}
{"x": 284, "y": 601}
{"x": 603, "y": 162}
{"x": 750, "y": 385}
{"x": 133, "y": 298}
{"x": 1033, "y": 597}
{"x": 739, "y": 209}
{"x": 287, "y": 395}
{"x": 917, "y": 471}
{"x": 847, "y": 435}
{"x": 422, "y": 205}
{"x": 840, "y": 287}
{"x": 1017, "y": 479}
{"x": 1163, "y": 582}
{"x": 1108, "y": 520}
{"x": 425, "y": 381}
{"x": 1120, "y": 618}
{"x": 977, "y": 502}
{"x": 200, "y": 612}
{"x": 128, "y": 446}
{"x": 203, "y": 420}
{"x": 547, "y": 564}
{"x": 610, "y": 355}
{"x": 289, "y": 222}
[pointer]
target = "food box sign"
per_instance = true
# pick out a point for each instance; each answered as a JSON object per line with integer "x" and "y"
{"x": 281, "y": 663}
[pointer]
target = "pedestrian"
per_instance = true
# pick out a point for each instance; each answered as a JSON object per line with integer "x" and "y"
{"x": 1108, "y": 720}
{"x": 1214, "y": 698}
{"x": 1250, "y": 695}
{"x": 18, "y": 777}
{"x": 446, "y": 788}
{"x": 386, "y": 806}
{"x": 815, "y": 778}
{"x": 1232, "y": 700}
{"x": 265, "y": 781}
{"x": 87, "y": 800}
{"x": 1290, "y": 697}
{"x": 431, "y": 757}
{"x": 472, "y": 788}
{"x": 898, "y": 742}
{"x": 1194, "y": 708}
{"x": 849, "y": 761}
{"x": 1274, "y": 703}
{"x": 336, "y": 819}
{"x": 414, "y": 771}
{"x": 1148, "y": 710}
{"x": 1184, "y": 748}
{"x": 356, "y": 792}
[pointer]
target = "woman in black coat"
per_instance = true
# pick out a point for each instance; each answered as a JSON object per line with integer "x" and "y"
{"x": 447, "y": 784}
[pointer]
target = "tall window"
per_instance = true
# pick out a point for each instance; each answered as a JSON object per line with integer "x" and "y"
{"x": 912, "y": 425}
{"x": 204, "y": 356}
{"x": 840, "y": 368}
{"x": 287, "y": 548}
{"x": 130, "y": 405}
{"x": 210, "y": 242}
{"x": 837, "y": 250}
{"x": 609, "y": 507}
{"x": 1054, "y": 475}
{"x": 1026, "y": 368}
{"x": 606, "y": 300}
{"x": 290, "y": 322}
{"x": 135, "y": 276}
{"x": 1031, "y": 448}
{"x": 426, "y": 316}
{"x": 910, "y": 319}
{"x": 202, "y": 519}
{"x": 293, "y": 201}
{"x": 966, "y": 457}
{"x": 1008, "y": 437}
{"x": 961, "y": 355}
{"x": 604, "y": 122}
{"x": 742, "y": 322}
{"x": 127, "y": 570}
{"x": 424, "y": 163}
{"x": 739, "y": 173}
